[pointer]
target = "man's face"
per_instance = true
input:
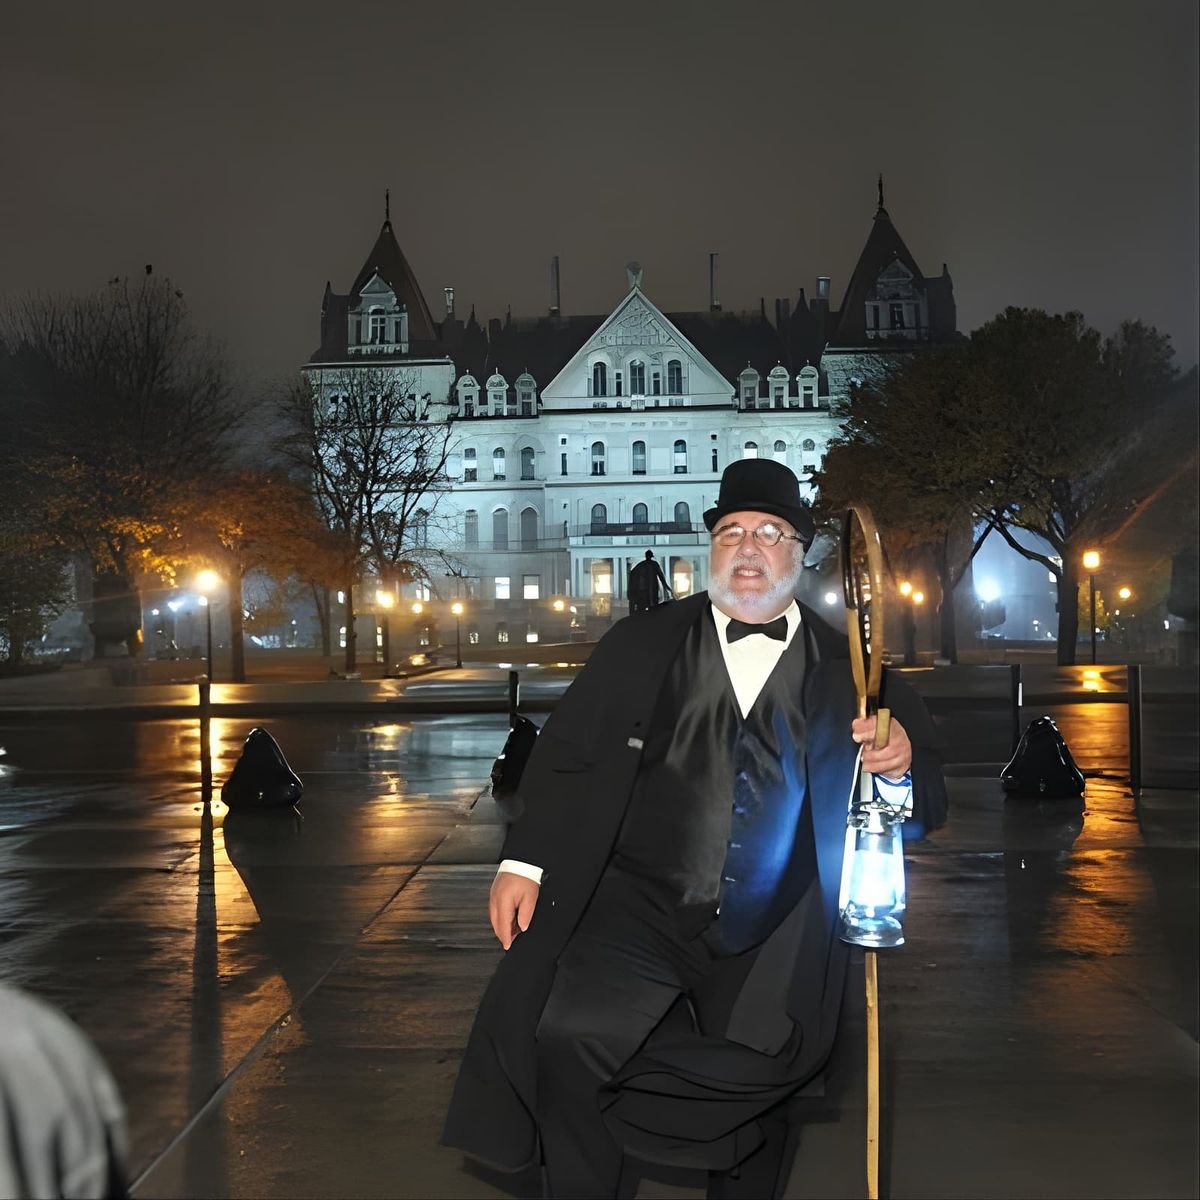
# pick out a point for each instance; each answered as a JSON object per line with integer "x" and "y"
{"x": 750, "y": 581}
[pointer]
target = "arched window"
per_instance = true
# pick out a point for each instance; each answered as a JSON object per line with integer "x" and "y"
{"x": 599, "y": 518}
{"x": 470, "y": 465}
{"x": 750, "y": 450}
{"x": 674, "y": 377}
{"x": 639, "y": 458}
{"x": 780, "y": 450}
{"x": 498, "y": 463}
{"x": 680, "y": 457}
{"x": 641, "y": 515}
{"x": 376, "y": 327}
{"x": 471, "y": 529}
{"x": 599, "y": 380}
{"x": 529, "y": 528}
{"x": 527, "y": 456}
{"x": 809, "y": 444}
{"x": 500, "y": 529}
{"x": 598, "y": 458}
{"x": 637, "y": 379}
{"x": 683, "y": 515}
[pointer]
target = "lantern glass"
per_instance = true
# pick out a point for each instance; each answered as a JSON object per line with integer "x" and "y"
{"x": 873, "y": 889}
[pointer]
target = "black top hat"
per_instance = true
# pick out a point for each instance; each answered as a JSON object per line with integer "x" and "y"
{"x": 765, "y": 486}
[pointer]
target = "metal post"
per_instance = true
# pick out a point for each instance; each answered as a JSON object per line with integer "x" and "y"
{"x": 514, "y": 696}
{"x": 458, "y": 641}
{"x": 208, "y": 629}
{"x": 387, "y": 641}
{"x": 1092, "y": 586}
{"x": 1134, "y": 689}
{"x": 1018, "y": 698}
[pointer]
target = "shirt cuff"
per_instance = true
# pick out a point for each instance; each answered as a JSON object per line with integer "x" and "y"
{"x": 895, "y": 793}
{"x": 513, "y": 867}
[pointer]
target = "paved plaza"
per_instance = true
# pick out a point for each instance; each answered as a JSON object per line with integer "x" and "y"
{"x": 284, "y": 1001}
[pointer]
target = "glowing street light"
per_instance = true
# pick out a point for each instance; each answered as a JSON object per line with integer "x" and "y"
{"x": 418, "y": 608}
{"x": 1125, "y": 593}
{"x": 208, "y": 581}
{"x": 457, "y": 609}
{"x": 906, "y": 588}
{"x": 1091, "y": 564}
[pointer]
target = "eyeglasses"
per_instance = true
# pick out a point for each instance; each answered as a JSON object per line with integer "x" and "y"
{"x": 766, "y": 534}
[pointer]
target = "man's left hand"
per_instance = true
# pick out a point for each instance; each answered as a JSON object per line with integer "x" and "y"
{"x": 891, "y": 761}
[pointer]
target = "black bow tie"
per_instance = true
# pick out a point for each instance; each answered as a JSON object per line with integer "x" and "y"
{"x": 776, "y": 629}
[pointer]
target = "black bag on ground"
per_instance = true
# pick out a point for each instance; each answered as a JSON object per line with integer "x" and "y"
{"x": 1042, "y": 766}
{"x": 261, "y": 778}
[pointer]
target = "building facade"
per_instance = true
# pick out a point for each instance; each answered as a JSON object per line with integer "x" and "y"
{"x": 576, "y": 443}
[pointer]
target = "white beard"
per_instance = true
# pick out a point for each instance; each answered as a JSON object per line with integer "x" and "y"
{"x": 767, "y": 604}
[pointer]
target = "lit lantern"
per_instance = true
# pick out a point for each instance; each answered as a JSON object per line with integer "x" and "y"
{"x": 872, "y": 899}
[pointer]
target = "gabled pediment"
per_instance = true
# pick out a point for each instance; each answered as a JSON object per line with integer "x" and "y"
{"x": 636, "y": 332}
{"x": 377, "y": 288}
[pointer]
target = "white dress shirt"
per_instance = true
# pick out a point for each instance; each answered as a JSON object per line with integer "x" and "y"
{"x": 749, "y": 661}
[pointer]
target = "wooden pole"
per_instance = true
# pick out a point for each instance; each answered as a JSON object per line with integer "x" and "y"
{"x": 872, "y": 981}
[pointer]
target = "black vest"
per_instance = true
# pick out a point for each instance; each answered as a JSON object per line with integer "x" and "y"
{"x": 718, "y": 815}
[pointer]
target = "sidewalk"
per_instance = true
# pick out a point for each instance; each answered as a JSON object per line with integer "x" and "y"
{"x": 285, "y": 1003}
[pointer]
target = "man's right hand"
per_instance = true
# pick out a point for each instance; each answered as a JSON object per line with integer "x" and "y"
{"x": 511, "y": 904}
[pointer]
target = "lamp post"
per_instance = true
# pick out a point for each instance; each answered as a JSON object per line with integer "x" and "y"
{"x": 1091, "y": 564}
{"x": 910, "y": 624}
{"x": 385, "y": 600}
{"x": 457, "y": 609}
{"x": 206, "y": 584}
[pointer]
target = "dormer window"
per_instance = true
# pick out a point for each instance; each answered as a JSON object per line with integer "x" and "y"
{"x": 497, "y": 388}
{"x": 777, "y": 380}
{"x": 468, "y": 395}
{"x": 599, "y": 379}
{"x": 526, "y": 393}
{"x": 674, "y": 377}
{"x": 748, "y": 386}
{"x": 377, "y": 327}
{"x": 637, "y": 379}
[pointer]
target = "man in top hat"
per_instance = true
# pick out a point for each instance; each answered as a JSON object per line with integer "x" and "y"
{"x": 644, "y": 579}
{"x": 668, "y": 896}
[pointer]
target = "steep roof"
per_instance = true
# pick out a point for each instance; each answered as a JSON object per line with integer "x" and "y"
{"x": 884, "y": 246}
{"x": 388, "y": 262}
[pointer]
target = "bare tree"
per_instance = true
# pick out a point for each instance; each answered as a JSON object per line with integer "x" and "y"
{"x": 376, "y": 459}
{"x": 121, "y": 407}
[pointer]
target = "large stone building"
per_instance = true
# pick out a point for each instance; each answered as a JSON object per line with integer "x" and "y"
{"x": 579, "y": 442}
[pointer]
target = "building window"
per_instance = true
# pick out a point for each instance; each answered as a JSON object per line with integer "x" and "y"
{"x": 502, "y": 587}
{"x": 500, "y": 529}
{"x": 617, "y": 375}
{"x": 529, "y": 529}
{"x": 563, "y": 461}
{"x": 750, "y": 450}
{"x": 602, "y": 578}
{"x": 683, "y": 515}
{"x": 675, "y": 402}
{"x": 470, "y": 470}
{"x": 497, "y": 463}
{"x": 599, "y": 518}
{"x": 377, "y": 327}
{"x": 531, "y": 633}
{"x": 527, "y": 404}
{"x": 780, "y": 450}
{"x": 656, "y": 384}
{"x": 639, "y": 458}
{"x": 777, "y": 395}
{"x": 531, "y": 587}
{"x": 599, "y": 380}
{"x": 473, "y": 635}
{"x": 637, "y": 379}
{"x": 598, "y": 458}
{"x": 872, "y": 316}
{"x": 471, "y": 529}
{"x": 641, "y": 515}
{"x": 501, "y": 631}
{"x": 714, "y": 459}
{"x": 674, "y": 376}
{"x": 809, "y": 444}
{"x": 748, "y": 395}
{"x": 680, "y": 457}
{"x": 527, "y": 462}
{"x": 896, "y": 314}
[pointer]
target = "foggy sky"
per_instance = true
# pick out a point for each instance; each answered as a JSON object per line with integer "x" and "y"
{"x": 1047, "y": 152}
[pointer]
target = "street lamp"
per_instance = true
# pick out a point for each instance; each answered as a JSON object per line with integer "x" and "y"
{"x": 910, "y": 621}
{"x": 206, "y": 582}
{"x": 1091, "y": 564}
{"x": 385, "y": 600}
{"x": 457, "y": 609}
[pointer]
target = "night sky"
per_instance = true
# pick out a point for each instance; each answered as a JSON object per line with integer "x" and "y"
{"x": 1046, "y": 151}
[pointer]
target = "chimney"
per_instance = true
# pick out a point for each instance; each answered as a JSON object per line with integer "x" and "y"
{"x": 555, "y": 288}
{"x": 449, "y": 303}
{"x": 822, "y": 296}
{"x": 714, "y": 305}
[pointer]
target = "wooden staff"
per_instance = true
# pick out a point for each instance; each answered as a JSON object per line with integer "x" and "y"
{"x": 866, "y": 665}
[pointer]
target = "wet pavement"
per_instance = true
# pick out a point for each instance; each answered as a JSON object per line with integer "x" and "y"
{"x": 284, "y": 1001}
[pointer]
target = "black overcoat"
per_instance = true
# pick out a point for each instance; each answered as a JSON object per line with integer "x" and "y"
{"x": 573, "y": 797}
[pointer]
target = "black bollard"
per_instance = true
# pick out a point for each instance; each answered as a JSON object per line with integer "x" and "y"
{"x": 261, "y": 778}
{"x": 1042, "y": 767}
